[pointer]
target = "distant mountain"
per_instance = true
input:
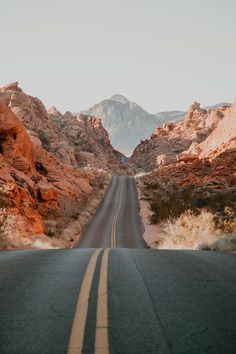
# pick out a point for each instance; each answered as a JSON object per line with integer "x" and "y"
{"x": 218, "y": 105}
{"x": 177, "y": 116}
{"x": 128, "y": 123}
{"x": 171, "y": 116}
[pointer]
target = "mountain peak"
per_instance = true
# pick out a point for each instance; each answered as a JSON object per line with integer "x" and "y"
{"x": 119, "y": 98}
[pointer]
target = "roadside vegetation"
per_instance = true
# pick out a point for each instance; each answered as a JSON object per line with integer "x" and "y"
{"x": 195, "y": 206}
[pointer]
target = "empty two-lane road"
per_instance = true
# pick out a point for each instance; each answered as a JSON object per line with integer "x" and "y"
{"x": 106, "y": 297}
{"x": 117, "y": 222}
{"x": 117, "y": 301}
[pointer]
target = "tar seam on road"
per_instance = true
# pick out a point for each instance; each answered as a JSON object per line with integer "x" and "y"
{"x": 102, "y": 341}
{"x": 117, "y": 213}
{"x": 78, "y": 326}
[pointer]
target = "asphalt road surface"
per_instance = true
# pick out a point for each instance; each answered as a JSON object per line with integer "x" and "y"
{"x": 117, "y": 223}
{"x": 117, "y": 301}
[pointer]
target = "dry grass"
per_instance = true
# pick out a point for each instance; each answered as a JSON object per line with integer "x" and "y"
{"x": 14, "y": 241}
{"x": 190, "y": 231}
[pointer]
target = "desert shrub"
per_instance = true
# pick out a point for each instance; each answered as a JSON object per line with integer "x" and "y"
{"x": 150, "y": 185}
{"x": 99, "y": 182}
{"x": 173, "y": 204}
{"x": 5, "y": 202}
{"x": 189, "y": 230}
{"x": 50, "y": 228}
{"x": 44, "y": 138}
{"x": 173, "y": 201}
{"x": 4, "y": 241}
{"x": 225, "y": 244}
{"x": 226, "y": 221}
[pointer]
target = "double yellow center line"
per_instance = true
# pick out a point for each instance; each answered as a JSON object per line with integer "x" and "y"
{"x": 116, "y": 216}
{"x": 81, "y": 313}
{"x": 78, "y": 327}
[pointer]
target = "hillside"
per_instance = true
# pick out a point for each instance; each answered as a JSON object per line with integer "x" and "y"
{"x": 191, "y": 194}
{"x": 53, "y": 167}
{"x": 171, "y": 139}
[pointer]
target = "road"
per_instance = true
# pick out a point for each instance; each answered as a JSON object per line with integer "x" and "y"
{"x": 117, "y": 301}
{"x": 117, "y": 223}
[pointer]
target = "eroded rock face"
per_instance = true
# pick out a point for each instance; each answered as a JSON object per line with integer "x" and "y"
{"x": 19, "y": 211}
{"x": 15, "y": 144}
{"x": 180, "y": 140}
{"x": 88, "y": 141}
{"x": 35, "y": 186}
{"x": 67, "y": 136}
{"x": 221, "y": 138}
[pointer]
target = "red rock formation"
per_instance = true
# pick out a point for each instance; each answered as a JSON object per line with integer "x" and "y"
{"x": 17, "y": 190}
{"x": 15, "y": 144}
{"x": 88, "y": 140}
{"x": 77, "y": 141}
{"x": 219, "y": 173}
{"x": 222, "y": 137}
{"x": 173, "y": 139}
{"x": 34, "y": 185}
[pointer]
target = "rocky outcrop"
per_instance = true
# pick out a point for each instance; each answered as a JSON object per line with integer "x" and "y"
{"x": 18, "y": 192}
{"x": 174, "y": 139}
{"x": 84, "y": 142}
{"x": 15, "y": 144}
{"x": 36, "y": 188}
{"x": 77, "y": 141}
{"x": 31, "y": 111}
{"x": 222, "y": 137}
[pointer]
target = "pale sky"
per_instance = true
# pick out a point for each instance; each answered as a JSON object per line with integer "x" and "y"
{"x": 162, "y": 54}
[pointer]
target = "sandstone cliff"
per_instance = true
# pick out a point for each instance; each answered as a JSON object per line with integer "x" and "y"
{"x": 172, "y": 139}
{"x": 41, "y": 190}
{"x": 76, "y": 141}
{"x": 84, "y": 142}
{"x": 222, "y": 138}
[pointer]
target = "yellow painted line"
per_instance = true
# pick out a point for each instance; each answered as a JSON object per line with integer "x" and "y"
{"x": 78, "y": 327}
{"x": 101, "y": 339}
{"x": 117, "y": 213}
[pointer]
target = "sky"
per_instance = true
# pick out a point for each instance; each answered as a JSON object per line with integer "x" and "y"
{"x": 161, "y": 54}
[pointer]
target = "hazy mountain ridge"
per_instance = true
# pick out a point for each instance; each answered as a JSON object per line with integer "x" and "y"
{"x": 126, "y": 122}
